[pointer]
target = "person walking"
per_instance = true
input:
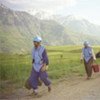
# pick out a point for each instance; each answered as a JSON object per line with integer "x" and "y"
{"x": 88, "y": 56}
{"x": 39, "y": 69}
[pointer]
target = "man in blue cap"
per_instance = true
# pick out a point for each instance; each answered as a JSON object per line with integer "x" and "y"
{"x": 88, "y": 56}
{"x": 40, "y": 62}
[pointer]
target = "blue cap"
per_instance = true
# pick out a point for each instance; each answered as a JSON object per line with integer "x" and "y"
{"x": 37, "y": 39}
{"x": 86, "y": 43}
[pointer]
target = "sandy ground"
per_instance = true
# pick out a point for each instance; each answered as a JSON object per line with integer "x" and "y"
{"x": 65, "y": 89}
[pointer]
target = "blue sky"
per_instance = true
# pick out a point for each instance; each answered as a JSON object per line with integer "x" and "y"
{"x": 88, "y": 9}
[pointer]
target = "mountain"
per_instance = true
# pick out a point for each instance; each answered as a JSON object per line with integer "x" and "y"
{"x": 18, "y": 28}
{"x": 78, "y": 25}
{"x": 15, "y": 30}
{"x": 40, "y": 14}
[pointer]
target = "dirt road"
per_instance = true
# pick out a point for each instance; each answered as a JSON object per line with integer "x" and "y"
{"x": 66, "y": 89}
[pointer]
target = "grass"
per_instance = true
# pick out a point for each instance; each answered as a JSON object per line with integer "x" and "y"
{"x": 64, "y": 61}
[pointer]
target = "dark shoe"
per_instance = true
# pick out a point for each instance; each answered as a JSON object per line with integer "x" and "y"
{"x": 49, "y": 88}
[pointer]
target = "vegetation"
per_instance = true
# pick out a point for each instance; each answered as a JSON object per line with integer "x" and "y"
{"x": 64, "y": 62}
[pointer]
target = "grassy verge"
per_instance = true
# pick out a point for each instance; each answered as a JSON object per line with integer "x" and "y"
{"x": 64, "y": 61}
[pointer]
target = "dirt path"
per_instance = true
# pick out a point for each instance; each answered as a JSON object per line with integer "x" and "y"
{"x": 67, "y": 89}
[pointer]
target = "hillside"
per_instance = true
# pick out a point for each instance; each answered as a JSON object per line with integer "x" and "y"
{"x": 17, "y": 30}
{"x": 78, "y": 25}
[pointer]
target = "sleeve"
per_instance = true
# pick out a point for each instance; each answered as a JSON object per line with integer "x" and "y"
{"x": 45, "y": 57}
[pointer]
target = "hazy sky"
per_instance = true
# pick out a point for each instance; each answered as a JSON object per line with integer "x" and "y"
{"x": 88, "y": 9}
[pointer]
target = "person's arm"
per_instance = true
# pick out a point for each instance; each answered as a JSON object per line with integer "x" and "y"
{"x": 45, "y": 61}
{"x": 82, "y": 56}
{"x": 32, "y": 56}
{"x": 94, "y": 57}
{"x": 45, "y": 57}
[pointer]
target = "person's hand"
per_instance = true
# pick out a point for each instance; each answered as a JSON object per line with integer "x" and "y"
{"x": 43, "y": 68}
{"x": 81, "y": 60}
{"x": 94, "y": 59}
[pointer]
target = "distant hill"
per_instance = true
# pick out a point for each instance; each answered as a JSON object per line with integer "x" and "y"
{"x": 78, "y": 25}
{"x": 17, "y": 30}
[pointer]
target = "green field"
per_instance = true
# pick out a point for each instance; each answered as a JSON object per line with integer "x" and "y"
{"x": 64, "y": 62}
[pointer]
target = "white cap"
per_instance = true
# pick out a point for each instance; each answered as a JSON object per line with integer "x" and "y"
{"x": 37, "y": 39}
{"x": 86, "y": 43}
